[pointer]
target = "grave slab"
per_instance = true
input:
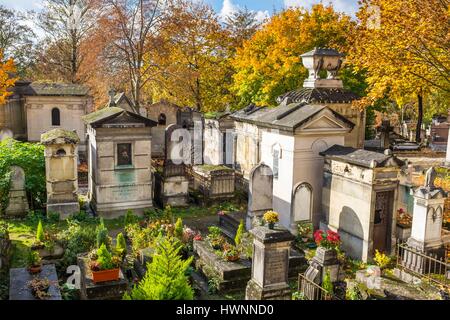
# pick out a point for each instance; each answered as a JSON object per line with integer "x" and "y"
{"x": 18, "y": 283}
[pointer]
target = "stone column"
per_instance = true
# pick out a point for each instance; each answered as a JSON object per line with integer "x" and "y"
{"x": 270, "y": 264}
{"x": 427, "y": 221}
{"x": 61, "y": 171}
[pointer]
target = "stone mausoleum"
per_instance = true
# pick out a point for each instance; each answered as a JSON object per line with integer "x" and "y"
{"x": 119, "y": 161}
{"x": 359, "y": 198}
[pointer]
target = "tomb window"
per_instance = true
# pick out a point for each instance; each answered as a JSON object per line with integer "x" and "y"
{"x": 162, "y": 119}
{"x": 276, "y": 160}
{"x": 61, "y": 152}
{"x": 124, "y": 155}
{"x": 56, "y": 117}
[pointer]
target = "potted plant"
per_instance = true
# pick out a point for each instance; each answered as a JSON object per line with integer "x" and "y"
{"x": 327, "y": 244}
{"x": 231, "y": 253}
{"x": 271, "y": 217}
{"x": 34, "y": 262}
{"x": 215, "y": 238}
{"x": 104, "y": 266}
{"x": 39, "y": 288}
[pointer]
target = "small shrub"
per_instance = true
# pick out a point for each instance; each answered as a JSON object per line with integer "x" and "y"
{"x": 130, "y": 218}
{"x": 102, "y": 235}
{"x": 53, "y": 217}
{"x": 240, "y": 231}
{"x": 297, "y": 295}
{"x": 352, "y": 293}
{"x": 168, "y": 213}
{"x": 165, "y": 278}
{"x": 327, "y": 284}
{"x": 40, "y": 236}
{"x": 121, "y": 245}
{"x": 76, "y": 239}
{"x": 381, "y": 259}
{"x": 33, "y": 258}
{"x": 179, "y": 229}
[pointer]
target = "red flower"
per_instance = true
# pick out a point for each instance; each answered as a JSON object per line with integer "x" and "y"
{"x": 198, "y": 237}
{"x": 318, "y": 236}
{"x": 221, "y": 213}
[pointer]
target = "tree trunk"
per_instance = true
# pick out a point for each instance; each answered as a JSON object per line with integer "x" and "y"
{"x": 419, "y": 117}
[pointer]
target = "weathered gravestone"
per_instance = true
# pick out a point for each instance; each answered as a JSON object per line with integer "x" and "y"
{"x": 18, "y": 203}
{"x": 19, "y": 278}
{"x": 260, "y": 197}
{"x": 270, "y": 264}
{"x": 172, "y": 184}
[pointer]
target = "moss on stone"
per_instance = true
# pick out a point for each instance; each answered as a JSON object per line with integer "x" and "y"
{"x": 101, "y": 114}
{"x": 49, "y": 137}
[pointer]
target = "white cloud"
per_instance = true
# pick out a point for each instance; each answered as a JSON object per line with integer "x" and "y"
{"x": 347, "y": 6}
{"x": 228, "y": 8}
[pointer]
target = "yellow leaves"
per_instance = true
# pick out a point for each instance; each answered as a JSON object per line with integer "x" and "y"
{"x": 7, "y": 69}
{"x": 405, "y": 53}
{"x": 269, "y": 64}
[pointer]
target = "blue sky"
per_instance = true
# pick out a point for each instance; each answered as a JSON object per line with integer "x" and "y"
{"x": 263, "y": 6}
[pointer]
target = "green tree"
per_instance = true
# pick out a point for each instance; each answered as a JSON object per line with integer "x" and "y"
{"x": 102, "y": 235}
{"x": 166, "y": 276}
{"x": 40, "y": 237}
{"x": 240, "y": 231}
{"x": 179, "y": 228}
{"x": 121, "y": 244}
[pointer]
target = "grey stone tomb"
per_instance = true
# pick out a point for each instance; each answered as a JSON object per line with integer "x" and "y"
{"x": 270, "y": 264}
{"x": 18, "y": 203}
{"x": 426, "y": 230}
{"x": 260, "y": 197}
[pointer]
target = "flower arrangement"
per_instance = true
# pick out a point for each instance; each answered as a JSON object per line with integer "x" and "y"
{"x": 271, "y": 217}
{"x": 230, "y": 253}
{"x": 39, "y": 288}
{"x": 328, "y": 240}
{"x": 403, "y": 218}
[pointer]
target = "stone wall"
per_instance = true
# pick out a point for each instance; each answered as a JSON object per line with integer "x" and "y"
{"x": 354, "y": 138}
{"x": 247, "y": 147}
{"x": 39, "y": 115}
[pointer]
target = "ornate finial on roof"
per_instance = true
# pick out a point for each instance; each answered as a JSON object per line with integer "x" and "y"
{"x": 112, "y": 94}
{"x": 320, "y": 59}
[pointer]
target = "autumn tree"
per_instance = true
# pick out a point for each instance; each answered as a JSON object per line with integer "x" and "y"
{"x": 269, "y": 64}
{"x": 193, "y": 58}
{"x": 7, "y": 80}
{"x": 403, "y": 46}
{"x": 242, "y": 25}
{"x": 65, "y": 24}
{"x": 132, "y": 29}
{"x": 17, "y": 39}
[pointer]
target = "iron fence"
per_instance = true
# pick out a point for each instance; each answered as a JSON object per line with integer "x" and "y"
{"x": 313, "y": 291}
{"x": 425, "y": 266}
